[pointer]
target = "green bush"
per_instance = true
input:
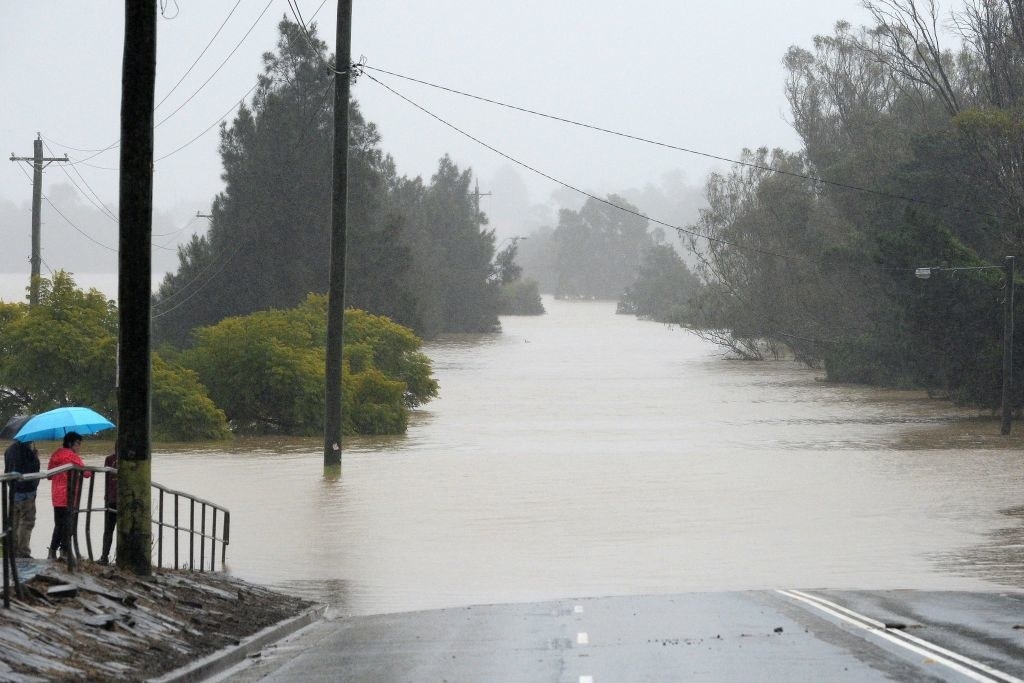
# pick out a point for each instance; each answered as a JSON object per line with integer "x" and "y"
{"x": 266, "y": 370}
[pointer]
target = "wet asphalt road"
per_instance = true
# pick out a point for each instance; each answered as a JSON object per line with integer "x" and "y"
{"x": 745, "y": 636}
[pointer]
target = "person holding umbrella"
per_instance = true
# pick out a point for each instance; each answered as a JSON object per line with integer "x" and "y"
{"x": 23, "y": 458}
{"x": 63, "y": 515}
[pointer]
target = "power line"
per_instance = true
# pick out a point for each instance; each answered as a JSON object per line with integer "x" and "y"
{"x": 313, "y": 16}
{"x": 116, "y": 143}
{"x": 175, "y": 232}
{"x": 106, "y": 213}
{"x": 221, "y": 66}
{"x": 200, "y": 288}
{"x": 100, "y": 206}
{"x": 241, "y": 101}
{"x": 658, "y": 143}
{"x": 189, "y": 70}
{"x": 678, "y": 229}
{"x": 69, "y": 221}
{"x": 297, "y": 15}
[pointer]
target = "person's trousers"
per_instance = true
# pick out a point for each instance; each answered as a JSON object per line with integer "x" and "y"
{"x": 61, "y": 531}
{"x": 23, "y": 520}
{"x": 109, "y": 522}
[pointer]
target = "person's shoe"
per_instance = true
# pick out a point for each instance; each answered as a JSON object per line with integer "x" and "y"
{"x": 52, "y": 555}
{"x": 103, "y": 560}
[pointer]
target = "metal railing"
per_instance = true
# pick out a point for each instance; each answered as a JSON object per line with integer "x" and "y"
{"x": 212, "y": 529}
{"x": 205, "y": 533}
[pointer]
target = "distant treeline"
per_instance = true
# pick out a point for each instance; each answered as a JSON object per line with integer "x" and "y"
{"x": 922, "y": 148}
{"x": 607, "y": 250}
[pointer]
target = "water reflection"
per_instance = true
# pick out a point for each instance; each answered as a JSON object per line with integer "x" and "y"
{"x": 584, "y": 453}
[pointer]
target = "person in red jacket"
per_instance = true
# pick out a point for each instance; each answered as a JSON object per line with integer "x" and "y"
{"x": 62, "y": 514}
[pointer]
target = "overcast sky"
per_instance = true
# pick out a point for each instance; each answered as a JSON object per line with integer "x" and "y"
{"x": 704, "y": 75}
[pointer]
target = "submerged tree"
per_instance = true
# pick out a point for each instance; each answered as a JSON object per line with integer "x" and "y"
{"x": 451, "y": 273}
{"x": 921, "y": 148}
{"x": 266, "y": 370}
{"x": 663, "y": 289}
{"x": 518, "y": 296}
{"x": 598, "y": 249}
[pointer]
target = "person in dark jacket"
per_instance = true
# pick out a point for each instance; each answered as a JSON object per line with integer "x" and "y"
{"x": 110, "y": 505}
{"x": 23, "y": 458}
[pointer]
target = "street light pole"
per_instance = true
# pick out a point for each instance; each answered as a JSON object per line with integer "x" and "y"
{"x": 1008, "y": 268}
{"x": 1008, "y": 347}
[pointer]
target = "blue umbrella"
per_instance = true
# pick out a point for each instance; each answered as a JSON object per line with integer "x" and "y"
{"x": 54, "y": 424}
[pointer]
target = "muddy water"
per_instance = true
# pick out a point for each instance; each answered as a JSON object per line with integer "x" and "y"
{"x": 583, "y": 453}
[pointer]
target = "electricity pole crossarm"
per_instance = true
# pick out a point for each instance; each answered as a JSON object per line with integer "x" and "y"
{"x": 39, "y": 162}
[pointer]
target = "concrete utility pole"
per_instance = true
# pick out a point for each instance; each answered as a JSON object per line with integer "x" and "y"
{"x": 138, "y": 76}
{"x": 1008, "y": 348}
{"x": 339, "y": 206}
{"x": 39, "y": 162}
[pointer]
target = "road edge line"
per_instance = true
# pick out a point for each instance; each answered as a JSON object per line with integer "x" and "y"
{"x": 964, "y": 659}
{"x": 885, "y": 634}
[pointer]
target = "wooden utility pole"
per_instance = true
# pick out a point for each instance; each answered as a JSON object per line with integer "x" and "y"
{"x": 339, "y": 205}
{"x": 1008, "y": 348}
{"x": 477, "y": 195}
{"x": 39, "y": 162}
{"x": 138, "y": 75}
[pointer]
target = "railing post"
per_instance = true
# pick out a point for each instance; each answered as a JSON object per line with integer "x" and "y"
{"x": 192, "y": 534}
{"x": 160, "y": 530}
{"x": 202, "y": 540}
{"x": 176, "y": 531}
{"x": 88, "y": 518}
{"x": 226, "y": 539}
{"x": 213, "y": 543}
{"x": 71, "y": 517}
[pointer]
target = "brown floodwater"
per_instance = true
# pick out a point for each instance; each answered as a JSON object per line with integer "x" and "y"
{"x": 583, "y": 453}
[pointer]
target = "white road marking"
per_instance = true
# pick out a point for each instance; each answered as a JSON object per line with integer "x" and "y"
{"x": 586, "y": 679}
{"x": 920, "y": 641}
{"x": 939, "y": 654}
{"x": 582, "y": 638}
{"x": 578, "y": 609}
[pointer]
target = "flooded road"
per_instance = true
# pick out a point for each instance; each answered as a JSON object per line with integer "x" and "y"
{"x": 587, "y": 454}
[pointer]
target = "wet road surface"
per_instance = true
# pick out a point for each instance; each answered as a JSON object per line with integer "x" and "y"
{"x": 745, "y": 636}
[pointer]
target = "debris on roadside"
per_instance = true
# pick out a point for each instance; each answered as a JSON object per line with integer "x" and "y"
{"x": 102, "y": 623}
